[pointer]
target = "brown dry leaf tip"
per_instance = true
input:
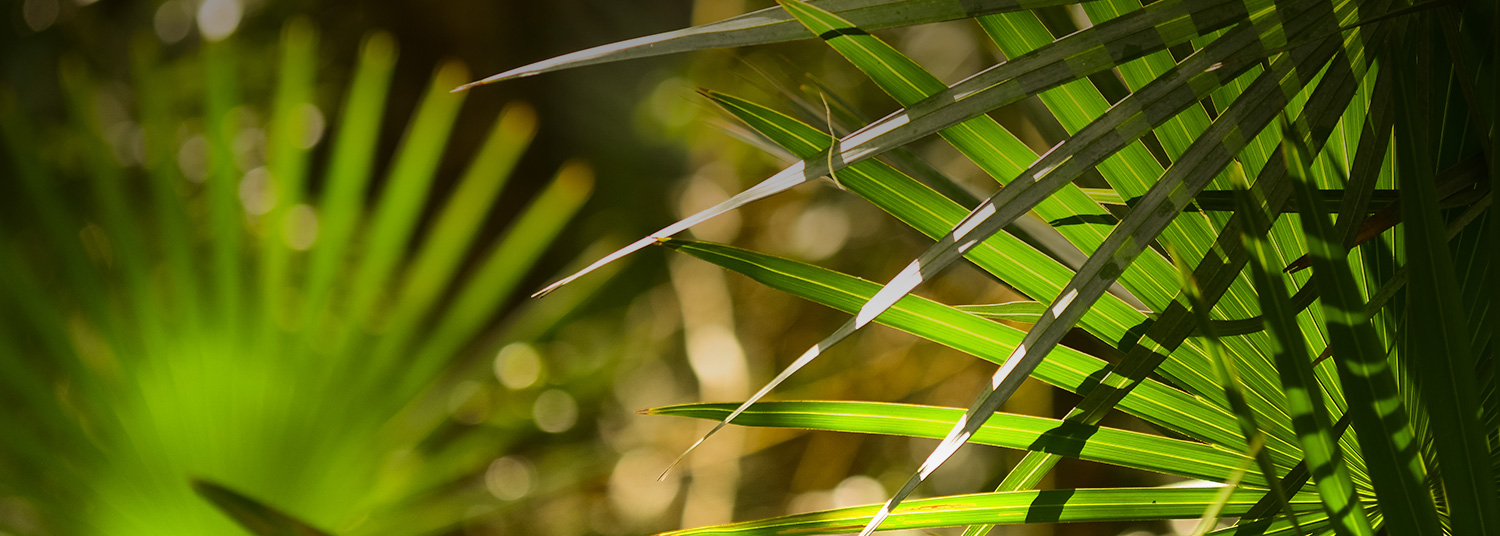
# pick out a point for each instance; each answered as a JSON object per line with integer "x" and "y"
{"x": 643, "y": 411}
{"x": 473, "y": 84}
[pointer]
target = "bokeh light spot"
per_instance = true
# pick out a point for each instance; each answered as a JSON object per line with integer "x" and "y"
{"x": 257, "y": 193}
{"x": 217, "y": 19}
{"x": 518, "y": 366}
{"x": 173, "y": 21}
{"x": 555, "y": 411}
{"x": 192, "y": 158}
{"x": 633, "y": 488}
{"x": 301, "y": 229}
{"x": 510, "y": 478}
{"x": 820, "y": 231}
{"x": 39, "y": 14}
{"x": 857, "y": 490}
{"x": 249, "y": 144}
{"x": 313, "y": 125}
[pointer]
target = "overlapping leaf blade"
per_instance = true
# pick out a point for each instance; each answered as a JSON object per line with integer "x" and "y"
{"x": 770, "y": 25}
{"x": 1068, "y": 369}
{"x": 1297, "y": 40}
{"x": 981, "y": 139}
{"x": 1171, "y": 193}
{"x": 1021, "y": 266}
{"x": 1216, "y": 272}
{"x": 1094, "y": 443}
{"x": 1012, "y": 507}
{"x": 1315, "y": 433}
{"x": 1234, "y": 389}
{"x": 1119, "y": 40}
{"x": 1374, "y": 401}
{"x": 1438, "y": 327}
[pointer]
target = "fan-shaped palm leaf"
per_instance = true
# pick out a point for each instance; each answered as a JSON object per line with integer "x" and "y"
{"x": 237, "y": 327}
{"x": 1205, "y": 80}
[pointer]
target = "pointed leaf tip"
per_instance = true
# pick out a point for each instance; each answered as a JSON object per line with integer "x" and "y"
{"x": 685, "y": 453}
{"x": 472, "y": 85}
{"x": 481, "y": 82}
{"x": 802, "y": 361}
{"x": 632, "y": 248}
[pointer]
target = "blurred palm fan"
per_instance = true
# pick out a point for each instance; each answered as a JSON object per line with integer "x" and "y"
{"x": 181, "y": 311}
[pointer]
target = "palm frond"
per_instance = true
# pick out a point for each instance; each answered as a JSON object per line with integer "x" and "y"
{"x": 232, "y": 334}
{"x": 1201, "y": 83}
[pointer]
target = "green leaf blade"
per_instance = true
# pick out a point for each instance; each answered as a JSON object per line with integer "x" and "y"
{"x": 1435, "y": 315}
{"x": 1094, "y": 443}
{"x": 983, "y": 140}
{"x": 286, "y": 161}
{"x": 1021, "y": 266}
{"x": 987, "y": 340}
{"x": 1374, "y": 400}
{"x": 254, "y": 516}
{"x": 1325, "y": 459}
{"x": 769, "y": 25}
{"x": 400, "y": 203}
{"x": 500, "y": 270}
{"x": 456, "y": 227}
{"x": 349, "y": 170}
{"x": 1014, "y": 507}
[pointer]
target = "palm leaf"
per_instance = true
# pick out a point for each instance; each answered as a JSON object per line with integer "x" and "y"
{"x": 1397, "y": 473}
{"x": 1069, "y": 369}
{"x": 1437, "y": 322}
{"x": 1012, "y": 507}
{"x": 1203, "y": 80}
{"x": 241, "y": 358}
{"x": 769, "y": 25}
{"x": 1216, "y": 274}
{"x": 1235, "y": 390}
{"x": 1121, "y": 39}
{"x": 349, "y": 168}
{"x": 1309, "y": 415}
{"x": 255, "y": 516}
{"x": 1093, "y": 443}
{"x": 1168, "y": 196}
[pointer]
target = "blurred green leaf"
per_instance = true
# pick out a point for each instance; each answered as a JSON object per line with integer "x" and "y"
{"x": 253, "y": 515}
